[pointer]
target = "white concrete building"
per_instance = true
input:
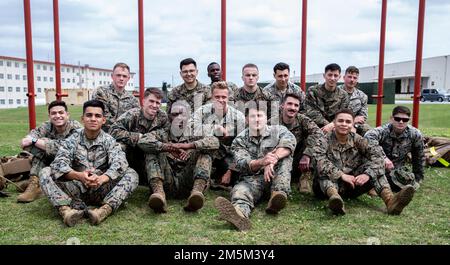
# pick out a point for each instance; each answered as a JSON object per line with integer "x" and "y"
{"x": 435, "y": 74}
{"x": 13, "y": 80}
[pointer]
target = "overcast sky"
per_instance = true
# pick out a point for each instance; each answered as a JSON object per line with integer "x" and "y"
{"x": 265, "y": 32}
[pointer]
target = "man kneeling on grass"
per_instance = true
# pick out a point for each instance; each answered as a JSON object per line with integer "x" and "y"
{"x": 263, "y": 156}
{"x": 354, "y": 166}
{"x": 90, "y": 168}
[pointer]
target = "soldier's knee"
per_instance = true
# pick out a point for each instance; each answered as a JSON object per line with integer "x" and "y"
{"x": 44, "y": 175}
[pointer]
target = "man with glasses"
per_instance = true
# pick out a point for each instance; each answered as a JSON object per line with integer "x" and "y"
{"x": 191, "y": 91}
{"x": 398, "y": 138}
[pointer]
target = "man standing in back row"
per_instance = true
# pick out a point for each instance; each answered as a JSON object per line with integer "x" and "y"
{"x": 215, "y": 73}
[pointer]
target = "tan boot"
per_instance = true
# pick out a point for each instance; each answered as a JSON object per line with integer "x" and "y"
{"x": 232, "y": 214}
{"x": 157, "y": 200}
{"x": 277, "y": 201}
{"x": 372, "y": 193}
{"x": 335, "y": 203}
{"x": 396, "y": 203}
{"x": 196, "y": 199}
{"x": 70, "y": 216}
{"x": 304, "y": 183}
{"x": 99, "y": 214}
{"x": 22, "y": 185}
{"x": 32, "y": 192}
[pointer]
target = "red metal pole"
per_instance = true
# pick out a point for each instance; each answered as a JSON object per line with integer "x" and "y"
{"x": 59, "y": 93}
{"x": 141, "y": 50}
{"x": 30, "y": 75}
{"x": 223, "y": 46}
{"x": 381, "y": 63}
{"x": 418, "y": 73}
{"x": 303, "y": 55}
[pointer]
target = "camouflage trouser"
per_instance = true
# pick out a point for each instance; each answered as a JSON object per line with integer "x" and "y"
{"x": 250, "y": 189}
{"x": 178, "y": 176}
{"x": 322, "y": 183}
{"x": 73, "y": 193}
{"x": 40, "y": 160}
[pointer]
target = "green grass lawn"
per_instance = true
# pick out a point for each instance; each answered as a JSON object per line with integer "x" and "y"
{"x": 304, "y": 221}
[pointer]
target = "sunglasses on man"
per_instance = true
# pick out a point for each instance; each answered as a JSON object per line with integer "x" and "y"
{"x": 398, "y": 119}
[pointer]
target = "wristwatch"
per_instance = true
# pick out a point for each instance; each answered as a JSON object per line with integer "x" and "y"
{"x": 33, "y": 141}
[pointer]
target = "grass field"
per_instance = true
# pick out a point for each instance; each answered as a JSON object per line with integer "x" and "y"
{"x": 304, "y": 221}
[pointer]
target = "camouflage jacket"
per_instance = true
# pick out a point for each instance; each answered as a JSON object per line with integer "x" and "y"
{"x": 103, "y": 154}
{"x": 195, "y": 97}
{"x": 241, "y": 95}
{"x": 54, "y": 140}
{"x": 345, "y": 158}
{"x": 246, "y": 148}
{"x": 272, "y": 93}
{"x": 321, "y": 104}
{"x": 308, "y": 135}
{"x": 115, "y": 103}
{"x": 132, "y": 125}
{"x": 358, "y": 102}
{"x": 232, "y": 88}
{"x": 397, "y": 147}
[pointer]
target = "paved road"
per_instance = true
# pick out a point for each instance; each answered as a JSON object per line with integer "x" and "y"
{"x": 426, "y": 102}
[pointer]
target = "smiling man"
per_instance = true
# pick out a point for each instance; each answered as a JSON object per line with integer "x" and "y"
{"x": 353, "y": 166}
{"x": 215, "y": 73}
{"x": 115, "y": 98}
{"x": 323, "y": 101}
{"x": 44, "y": 142}
{"x": 398, "y": 138}
{"x": 89, "y": 169}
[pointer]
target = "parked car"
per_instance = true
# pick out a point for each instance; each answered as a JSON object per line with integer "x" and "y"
{"x": 433, "y": 95}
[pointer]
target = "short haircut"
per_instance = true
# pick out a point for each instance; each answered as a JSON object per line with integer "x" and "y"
{"x": 121, "y": 65}
{"x": 352, "y": 70}
{"x": 187, "y": 61}
{"x": 345, "y": 111}
{"x": 292, "y": 95}
{"x": 249, "y": 65}
{"x": 219, "y": 85}
{"x": 256, "y": 105}
{"x": 332, "y": 67}
{"x": 211, "y": 64}
{"x": 401, "y": 109}
{"x": 57, "y": 103}
{"x": 93, "y": 103}
{"x": 281, "y": 67}
{"x": 155, "y": 91}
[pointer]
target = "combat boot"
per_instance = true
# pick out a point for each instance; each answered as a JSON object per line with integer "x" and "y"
{"x": 32, "y": 192}
{"x": 304, "y": 184}
{"x": 232, "y": 214}
{"x": 70, "y": 216}
{"x": 157, "y": 200}
{"x": 335, "y": 203}
{"x": 22, "y": 185}
{"x": 277, "y": 201}
{"x": 99, "y": 214}
{"x": 196, "y": 199}
{"x": 396, "y": 203}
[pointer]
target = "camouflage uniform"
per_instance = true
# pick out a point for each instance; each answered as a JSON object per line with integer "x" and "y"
{"x": 78, "y": 153}
{"x": 357, "y": 156}
{"x": 54, "y": 140}
{"x": 252, "y": 186}
{"x": 241, "y": 95}
{"x": 232, "y": 88}
{"x": 196, "y": 97}
{"x": 115, "y": 103}
{"x": 272, "y": 93}
{"x": 321, "y": 104}
{"x": 396, "y": 148}
{"x": 203, "y": 122}
{"x": 178, "y": 176}
{"x": 358, "y": 104}
{"x": 309, "y": 137}
{"x": 129, "y": 128}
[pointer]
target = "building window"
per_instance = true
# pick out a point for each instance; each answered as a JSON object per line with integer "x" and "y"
{"x": 24, "y": 77}
{"x": 10, "y": 89}
{"x": 24, "y": 65}
{"x": 18, "y": 101}
{"x": 68, "y": 70}
{"x": 2, "y": 89}
{"x": 11, "y": 102}
{"x": 8, "y": 63}
{"x": 2, "y": 76}
{"x": 1, "y": 63}
{"x": 38, "y": 67}
{"x": 25, "y": 101}
{"x": 73, "y": 80}
{"x": 17, "y": 77}
{"x": 39, "y": 90}
{"x": 68, "y": 80}
{"x": 45, "y": 79}
{"x": 2, "y": 102}
{"x": 25, "y": 90}
{"x": 51, "y": 79}
{"x": 44, "y": 67}
{"x": 62, "y": 70}
{"x": 51, "y": 68}
{"x": 9, "y": 76}
{"x": 17, "y": 89}
{"x": 100, "y": 82}
{"x": 63, "y": 80}
{"x": 16, "y": 64}
{"x": 38, "y": 78}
